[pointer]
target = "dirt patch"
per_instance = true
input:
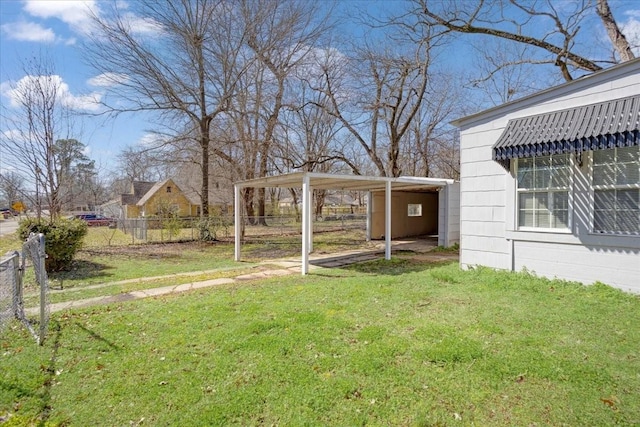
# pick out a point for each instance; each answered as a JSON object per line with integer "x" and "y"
{"x": 168, "y": 249}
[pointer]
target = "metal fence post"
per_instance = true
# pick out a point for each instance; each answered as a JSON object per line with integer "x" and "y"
{"x": 17, "y": 283}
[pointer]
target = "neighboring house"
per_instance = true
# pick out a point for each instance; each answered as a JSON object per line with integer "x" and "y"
{"x": 550, "y": 183}
{"x": 151, "y": 198}
{"x": 111, "y": 209}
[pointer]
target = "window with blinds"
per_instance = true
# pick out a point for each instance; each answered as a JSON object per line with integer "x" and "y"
{"x": 616, "y": 190}
{"x": 543, "y": 192}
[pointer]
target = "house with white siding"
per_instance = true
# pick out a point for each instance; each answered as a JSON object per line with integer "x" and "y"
{"x": 550, "y": 182}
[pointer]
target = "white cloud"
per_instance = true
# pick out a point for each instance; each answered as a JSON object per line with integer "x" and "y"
{"x": 631, "y": 30}
{"x": 50, "y": 84}
{"x": 28, "y": 31}
{"x": 152, "y": 140}
{"x": 142, "y": 26}
{"x": 12, "y": 135}
{"x": 107, "y": 80}
{"x": 77, "y": 14}
{"x": 634, "y": 13}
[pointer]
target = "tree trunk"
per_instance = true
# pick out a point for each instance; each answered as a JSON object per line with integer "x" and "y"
{"x": 618, "y": 39}
{"x": 204, "y": 145}
{"x": 248, "y": 204}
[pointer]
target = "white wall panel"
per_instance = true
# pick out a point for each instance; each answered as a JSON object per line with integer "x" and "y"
{"x": 580, "y": 263}
{"x": 487, "y": 198}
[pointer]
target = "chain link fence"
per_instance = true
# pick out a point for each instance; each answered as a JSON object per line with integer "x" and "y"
{"x": 221, "y": 227}
{"x": 14, "y": 269}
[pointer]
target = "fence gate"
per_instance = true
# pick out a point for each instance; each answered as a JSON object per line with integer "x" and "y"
{"x": 13, "y": 267}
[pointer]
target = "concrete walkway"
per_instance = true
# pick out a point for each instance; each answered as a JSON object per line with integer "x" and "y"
{"x": 267, "y": 269}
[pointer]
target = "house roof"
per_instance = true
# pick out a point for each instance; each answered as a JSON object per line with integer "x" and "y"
{"x": 325, "y": 181}
{"x": 158, "y": 185}
{"x": 140, "y": 188}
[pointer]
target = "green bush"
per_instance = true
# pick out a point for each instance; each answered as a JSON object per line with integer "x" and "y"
{"x": 63, "y": 238}
{"x": 212, "y": 226}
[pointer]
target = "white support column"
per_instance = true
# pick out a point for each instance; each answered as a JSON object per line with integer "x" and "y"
{"x": 369, "y": 214}
{"x": 311, "y": 215}
{"x": 237, "y": 218}
{"x": 305, "y": 224}
{"x": 387, "y": 221}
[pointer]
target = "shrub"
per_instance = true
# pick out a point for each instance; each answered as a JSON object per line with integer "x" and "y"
{"x": 210, "y": 227}
{"x": 63, "y": 238}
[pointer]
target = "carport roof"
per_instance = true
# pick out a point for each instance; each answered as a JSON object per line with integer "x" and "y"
{"x": 326, "y": 181}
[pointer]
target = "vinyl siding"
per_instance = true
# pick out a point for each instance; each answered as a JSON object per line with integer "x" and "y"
{"x": 586, "y": 264}
{"x": 488, "y": 232}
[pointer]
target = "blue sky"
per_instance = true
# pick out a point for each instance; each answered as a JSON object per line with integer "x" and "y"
{"x": 31, "y": 28}
{"x": 55, "y": 29}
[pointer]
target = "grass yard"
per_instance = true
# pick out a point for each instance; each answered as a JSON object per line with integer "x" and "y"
{"x": 108, "y": 256}
{"x": 401, "y": 342}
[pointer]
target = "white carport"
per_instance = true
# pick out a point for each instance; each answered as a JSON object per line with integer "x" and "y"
{"x": 308, "y": 181}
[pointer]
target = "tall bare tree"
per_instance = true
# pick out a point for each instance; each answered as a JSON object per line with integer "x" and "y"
{"x": 281, "y": 35}
{"x": 378, "y": 99}
{"x": 40, "y": 118}
{"x": 618, "y": 39}
{"x": 521, "y": 21}
{"x": 12, "y": 188}
{"x": 76, "y": 173}
{"x": 430, "y": 133}
{"x": 139, "y": 164}
{"x": 184, "y": 68}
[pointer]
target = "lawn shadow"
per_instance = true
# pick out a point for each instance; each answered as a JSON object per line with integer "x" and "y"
{"x": 81, "y": 270}
{"x": 401, "y": 262}
{"x": 45, "y": 408}
{"x": 98, "y": 337}
{"x": 396, "y": 267}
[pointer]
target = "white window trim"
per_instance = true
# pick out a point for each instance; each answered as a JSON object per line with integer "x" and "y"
{"x": 564, "y": 230}
{"x": 418, "y": 210}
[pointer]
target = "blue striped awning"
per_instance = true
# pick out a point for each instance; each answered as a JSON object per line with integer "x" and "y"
{"x": 614, "y": 123}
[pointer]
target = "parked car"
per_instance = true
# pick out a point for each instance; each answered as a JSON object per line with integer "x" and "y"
{"x": 94, "y": 220}
{"x": 7, "y": 213}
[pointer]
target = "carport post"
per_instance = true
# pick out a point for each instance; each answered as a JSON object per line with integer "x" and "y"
{"x": 387, "y": 220}
{"x": 237, "y": 229}
{"x": 369, "y": 214}
{"x": 306, "y": 216}
{"x": 310, "y": 219}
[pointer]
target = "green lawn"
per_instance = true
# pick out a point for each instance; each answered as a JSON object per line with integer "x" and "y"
{"x": 383, "y": 343}
{"x": 99, "y": 262}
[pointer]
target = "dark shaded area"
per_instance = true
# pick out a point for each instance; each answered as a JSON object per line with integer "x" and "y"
{"x": 82, "y": 269}
{"x": 399, "y": 266}
{"x": 97, "y": 337}
{"x": 45, "y": 407}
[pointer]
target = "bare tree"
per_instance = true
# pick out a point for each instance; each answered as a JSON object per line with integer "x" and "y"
{"x": 308, "y": 140}
{"x": 278, "y": 37}
{"x": 185, "y": 72}
{"x": 139, "y": 164}
{"x": 281, "y": 35}
{"x": 423, "y": 147}
{"x": 12, "y": 188}
{"x": 499, "y": 83}
{"x": 39, "y": 119}
{"x": 378, "y": 102}
{"x": 618, "y": 40}
{"x": 520, "y": 22}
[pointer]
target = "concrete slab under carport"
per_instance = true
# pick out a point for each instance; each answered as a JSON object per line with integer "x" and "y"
{"x": 308, "y": 181}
